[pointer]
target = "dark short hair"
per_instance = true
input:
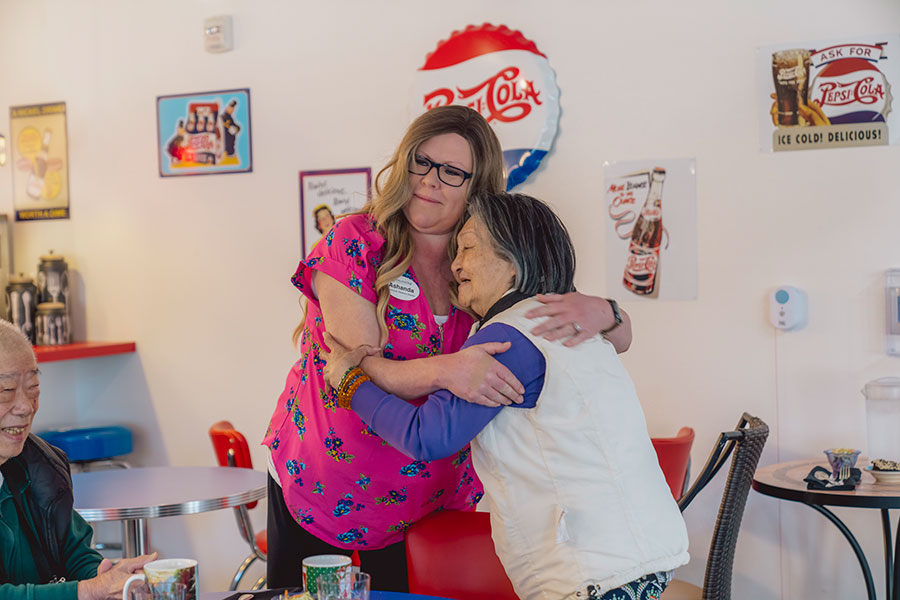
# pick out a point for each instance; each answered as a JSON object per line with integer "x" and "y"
{"x": 527, "y": 233}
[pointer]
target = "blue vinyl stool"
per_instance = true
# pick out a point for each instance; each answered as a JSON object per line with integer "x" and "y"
{"x": 91, "y": 448}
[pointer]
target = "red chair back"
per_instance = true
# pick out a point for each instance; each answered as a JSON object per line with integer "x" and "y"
{"x": 231, "y": 447}
{"x": 450, "y": 553}
{"x": 674, "y": 455}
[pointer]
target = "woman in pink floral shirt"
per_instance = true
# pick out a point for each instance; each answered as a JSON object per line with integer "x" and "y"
{"x": 383, "y": 278}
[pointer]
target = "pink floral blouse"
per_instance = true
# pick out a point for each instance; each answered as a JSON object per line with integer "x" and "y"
{"x": 343, "y": 483}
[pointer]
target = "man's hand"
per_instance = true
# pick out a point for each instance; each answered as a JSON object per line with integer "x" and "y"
{"x": 110, "y": 579}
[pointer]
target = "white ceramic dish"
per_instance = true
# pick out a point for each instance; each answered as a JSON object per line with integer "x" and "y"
{"x": 884, "y": 476}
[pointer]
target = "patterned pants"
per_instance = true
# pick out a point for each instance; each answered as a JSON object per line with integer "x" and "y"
{"x": 648, "y": 587}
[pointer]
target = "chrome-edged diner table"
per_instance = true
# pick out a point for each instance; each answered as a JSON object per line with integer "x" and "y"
{"x": 137, "y": 494}
{"x": 785, "y": 481}
{"x": 373, "y": 595}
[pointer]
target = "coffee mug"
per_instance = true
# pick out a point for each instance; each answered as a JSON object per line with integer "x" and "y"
{"x": 316, "y": 566}
{"x": 169, "y": 570}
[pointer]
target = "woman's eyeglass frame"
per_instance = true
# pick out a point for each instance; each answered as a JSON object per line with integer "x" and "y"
{"x": 419, "y": 161}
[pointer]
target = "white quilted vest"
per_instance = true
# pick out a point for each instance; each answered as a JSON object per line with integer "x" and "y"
{"x": 574, "y": 487}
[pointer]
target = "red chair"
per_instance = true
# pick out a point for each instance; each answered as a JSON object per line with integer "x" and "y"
{"x": 450, "y": 553}
{"x": 232, "y": 451}
{"x": 674, "y": 455}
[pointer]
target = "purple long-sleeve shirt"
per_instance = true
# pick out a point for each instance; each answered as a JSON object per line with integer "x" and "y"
{"x": 444, "y": 424}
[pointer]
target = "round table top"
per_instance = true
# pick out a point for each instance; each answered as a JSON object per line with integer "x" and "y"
{"x": 785, "y": 480}
{"x": 373, "y": 595}
{"x": 147, "y": 492}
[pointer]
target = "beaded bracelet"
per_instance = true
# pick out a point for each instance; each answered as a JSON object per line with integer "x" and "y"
{"x": 348, "y": 376}
{"x": 352, "y": 379}
{"x": 351, "y": 389}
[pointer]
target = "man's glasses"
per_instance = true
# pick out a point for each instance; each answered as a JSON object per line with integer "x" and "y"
{"x": 452, "y": 176}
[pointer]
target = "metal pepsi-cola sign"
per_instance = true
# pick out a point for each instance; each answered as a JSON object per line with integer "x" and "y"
{"x": 829, "y": 94}
{"x": 503, "y": 76}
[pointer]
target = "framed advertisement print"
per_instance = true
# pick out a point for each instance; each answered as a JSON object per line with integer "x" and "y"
{"x": 40, "y": 160}
{"x": 6, "y": 261}
{"x": 325, "y": 195}
{"x": 204, "y": 134}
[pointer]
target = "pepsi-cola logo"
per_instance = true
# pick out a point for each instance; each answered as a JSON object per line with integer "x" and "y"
{"x": 641, "y": 263}
{"x": 503, "y": 97}
{"x": 864, "y": 91}
{"x": 501, "y": 74}
{"x": 790, "y": 75}
{"x": 851, "y": 90}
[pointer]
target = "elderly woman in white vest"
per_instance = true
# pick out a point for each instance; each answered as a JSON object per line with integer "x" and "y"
{"x": 579, "y": 506}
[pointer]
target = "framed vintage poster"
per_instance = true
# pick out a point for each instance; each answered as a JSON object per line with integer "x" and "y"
{"x": 325, "y": 195}
{"x": 6, "y": 261}
{"x": 828, "y": 94}
{"x": 651, "y": 229}
{"x": 204, "y": 134}
{"x": 40, "y": 161}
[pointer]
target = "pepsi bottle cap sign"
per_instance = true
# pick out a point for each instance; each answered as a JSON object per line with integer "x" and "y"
{"x": 502, "y": 75}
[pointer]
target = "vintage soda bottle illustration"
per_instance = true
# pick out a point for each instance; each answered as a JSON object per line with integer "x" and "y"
{"x": 642, "y": 265}
{"x": 36, "y": 179}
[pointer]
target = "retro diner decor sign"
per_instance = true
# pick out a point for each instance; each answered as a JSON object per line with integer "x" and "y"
{"x": 503, "y": 76}
{"x": 831, "y": 94}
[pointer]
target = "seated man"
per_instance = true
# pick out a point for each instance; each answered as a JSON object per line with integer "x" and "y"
{"x": 45, "y": 551}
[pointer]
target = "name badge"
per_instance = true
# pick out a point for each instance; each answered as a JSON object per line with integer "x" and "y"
{"x": 404, "y": 288}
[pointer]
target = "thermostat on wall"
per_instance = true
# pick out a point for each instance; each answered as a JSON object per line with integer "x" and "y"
{"x": 787, "y": 308}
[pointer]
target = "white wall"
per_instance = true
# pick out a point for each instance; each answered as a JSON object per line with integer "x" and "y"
{"x": 196, "y": 270}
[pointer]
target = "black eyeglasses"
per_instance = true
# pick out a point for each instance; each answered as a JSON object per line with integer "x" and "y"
{"x": 452, "y": 176}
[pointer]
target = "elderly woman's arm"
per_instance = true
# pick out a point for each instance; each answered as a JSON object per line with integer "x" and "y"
{"x": 444, "y": 424}
{"x": 568, "y": 312}
{"x": 473, "y": 374}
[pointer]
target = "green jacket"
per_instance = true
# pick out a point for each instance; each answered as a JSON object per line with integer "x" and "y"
{"x": 40, "y": 476}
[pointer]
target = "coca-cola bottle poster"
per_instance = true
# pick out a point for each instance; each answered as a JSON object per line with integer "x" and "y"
{"x": 828, "y": 94}
{"x": 40, "y": 161}
{"x": 651, "y": 229}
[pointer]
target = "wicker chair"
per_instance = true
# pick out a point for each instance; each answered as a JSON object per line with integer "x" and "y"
{"x": 746, "y": 444}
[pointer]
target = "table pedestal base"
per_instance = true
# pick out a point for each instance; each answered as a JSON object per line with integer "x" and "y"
{"x": 135, "y": 538}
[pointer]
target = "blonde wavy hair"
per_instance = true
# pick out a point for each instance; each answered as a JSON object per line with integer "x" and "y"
{"x": 392, "y": 192}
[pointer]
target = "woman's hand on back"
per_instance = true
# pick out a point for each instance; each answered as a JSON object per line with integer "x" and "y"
{"x": 577, "y": 318}
{"x": 474, "y": 375}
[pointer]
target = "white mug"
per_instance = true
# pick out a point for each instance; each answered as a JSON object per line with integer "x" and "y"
{"x": 181, "y": 570}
